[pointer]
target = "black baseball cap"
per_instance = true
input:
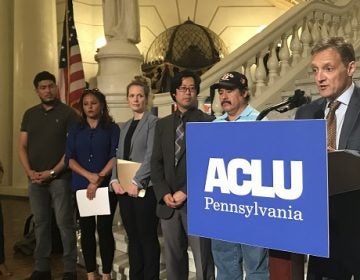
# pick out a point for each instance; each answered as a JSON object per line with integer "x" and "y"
{"x": 232, "y": 80}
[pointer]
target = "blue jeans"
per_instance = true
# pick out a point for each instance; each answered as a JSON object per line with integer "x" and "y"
{"x": 55, "y": 195}
{"x": 230, "y": 258}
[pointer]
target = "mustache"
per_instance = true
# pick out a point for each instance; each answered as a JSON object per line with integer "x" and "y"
{"x": 225, "y": 101}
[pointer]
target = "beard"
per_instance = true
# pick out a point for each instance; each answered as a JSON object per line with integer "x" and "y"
{"x": 49, "y": 102}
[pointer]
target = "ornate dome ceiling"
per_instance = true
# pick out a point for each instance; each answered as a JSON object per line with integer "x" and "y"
{"x": 187, "y": 45}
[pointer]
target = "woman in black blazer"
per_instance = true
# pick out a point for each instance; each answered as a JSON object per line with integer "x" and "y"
{"x": 137, "y": 203}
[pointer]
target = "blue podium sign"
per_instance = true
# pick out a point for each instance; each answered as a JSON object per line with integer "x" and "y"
{"x": 262, "y": 183}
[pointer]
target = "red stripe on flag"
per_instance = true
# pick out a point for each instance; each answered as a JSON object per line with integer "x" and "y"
{"x": 77, "y": 75}
{"x": 75, "y": 58}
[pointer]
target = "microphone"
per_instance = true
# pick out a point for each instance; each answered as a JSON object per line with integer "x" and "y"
{"x": 291, "y": 102}
{"x": 298, "y": 99}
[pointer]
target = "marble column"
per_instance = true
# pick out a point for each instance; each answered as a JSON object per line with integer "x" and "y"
{"x": 35, "y": 50}
{"x": 6, "y": 48}
{"x": 119, "y": 60}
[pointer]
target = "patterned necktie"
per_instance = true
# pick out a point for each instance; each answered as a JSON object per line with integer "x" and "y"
{"x": 331, "y": 124}
{"x": 179, "y": 138}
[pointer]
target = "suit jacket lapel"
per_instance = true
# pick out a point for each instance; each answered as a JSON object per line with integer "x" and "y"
{"x": 193, "y": 117}
{"x": 123, "y": 131}
{"x": 182, "y": 151}
{"x": 351, "y": 115}
{"x": 318, "y": 111}
{"x": 138, "y": 128}
{"x": 169, "y": 132}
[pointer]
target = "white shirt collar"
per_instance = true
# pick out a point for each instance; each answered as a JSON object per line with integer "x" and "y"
{"x": 345, "y": 97}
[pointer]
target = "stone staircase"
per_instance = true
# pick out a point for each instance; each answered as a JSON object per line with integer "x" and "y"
{"x": 121, "y": 262}
{"x": 287, "y": 42}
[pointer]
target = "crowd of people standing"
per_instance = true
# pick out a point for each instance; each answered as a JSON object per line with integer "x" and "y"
{"x": 82, "y": 153}
{"x": 83, "y": 156}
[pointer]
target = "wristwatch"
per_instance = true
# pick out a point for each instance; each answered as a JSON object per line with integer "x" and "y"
{"x": 52, "y": 174}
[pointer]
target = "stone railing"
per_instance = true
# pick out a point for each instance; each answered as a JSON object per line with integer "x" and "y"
{"x": 274, "y": 58}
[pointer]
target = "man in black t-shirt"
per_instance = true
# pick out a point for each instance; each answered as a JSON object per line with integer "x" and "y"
{"x": 42, "y": 145}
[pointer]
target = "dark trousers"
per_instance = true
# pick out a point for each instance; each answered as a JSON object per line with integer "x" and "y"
{"x": 176, "y": 241}
{"x": 103, "y": 224}
{"x": 2, "y": 248}
{"x": 344, "y": 230}
{"x": 319, "y": 268}
{"x": 328, "y": 269}
{"x": 139, "y": 218}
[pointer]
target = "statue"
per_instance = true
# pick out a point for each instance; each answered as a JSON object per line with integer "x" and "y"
{"x": 121, "y": 20}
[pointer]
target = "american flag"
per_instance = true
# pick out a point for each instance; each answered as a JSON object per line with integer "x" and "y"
{"x": 71, "y": 76}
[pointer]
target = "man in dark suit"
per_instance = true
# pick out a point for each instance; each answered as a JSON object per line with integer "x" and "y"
{"x": 168, "y": 174}
{"x": 333, "y": 64}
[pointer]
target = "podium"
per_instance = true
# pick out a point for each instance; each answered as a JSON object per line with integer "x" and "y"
{"x": 286, "y": 266}
{"x": 343, "y": 171}
{"x": 343, "y": 177}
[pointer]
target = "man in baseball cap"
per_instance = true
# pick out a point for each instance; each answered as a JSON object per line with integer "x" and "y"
{"x": 232, "y": 80}
{"x": 229, "y": 257}
{"x": 234, "y": 97}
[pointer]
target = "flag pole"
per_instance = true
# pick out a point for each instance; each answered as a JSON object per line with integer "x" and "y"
{"x": 67, "y": 85}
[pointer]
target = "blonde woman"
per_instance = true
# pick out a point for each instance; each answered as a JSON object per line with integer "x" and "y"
{"x": 139, "y": 214}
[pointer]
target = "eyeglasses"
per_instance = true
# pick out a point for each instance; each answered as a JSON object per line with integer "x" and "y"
{"x": 185, "y": 89}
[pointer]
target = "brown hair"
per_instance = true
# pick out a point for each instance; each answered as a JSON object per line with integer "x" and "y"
{"x": 340, "y": 45}
{"x": 142, "y": 82}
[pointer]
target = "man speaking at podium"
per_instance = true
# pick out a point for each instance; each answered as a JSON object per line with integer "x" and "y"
{"x": 333, "y": 65}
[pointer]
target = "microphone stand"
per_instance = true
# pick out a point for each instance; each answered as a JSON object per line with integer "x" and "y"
{"x": 294, "y": 101}
{"x": 267, "y": 110}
